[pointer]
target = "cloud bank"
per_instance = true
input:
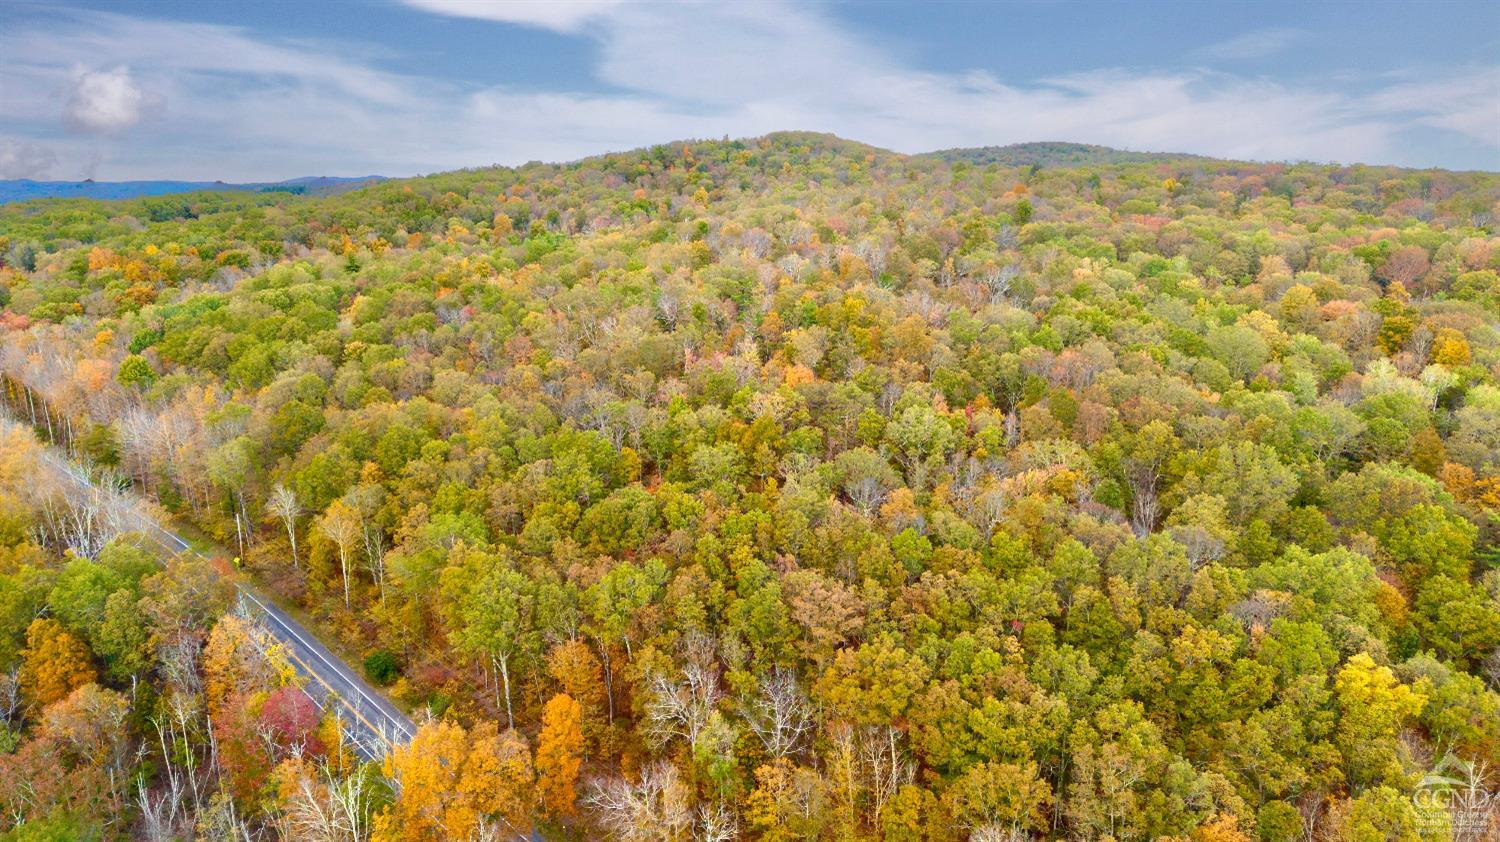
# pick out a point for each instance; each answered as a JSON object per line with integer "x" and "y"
{"x": 209, "y": 101}
{"x": 1257, "y": 44}
{"x": 21, "y": 159}
{"x": 106, "y": 102}
{"x": 556, "y": 15}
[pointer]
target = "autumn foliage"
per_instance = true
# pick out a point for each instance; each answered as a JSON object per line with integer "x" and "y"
{"x": 781, "y": 488}
{"x": 53, "y": 664}
{"x": 449, "y": 782}
{"x": 559, "y": 754}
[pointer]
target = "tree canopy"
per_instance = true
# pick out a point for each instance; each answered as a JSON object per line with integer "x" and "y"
{"x": 788, "y": 488}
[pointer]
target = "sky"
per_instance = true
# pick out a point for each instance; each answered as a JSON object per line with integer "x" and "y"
{"x": 269, "y": 90}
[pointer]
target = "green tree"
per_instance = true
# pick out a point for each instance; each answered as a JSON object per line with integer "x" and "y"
{"x": 1000, "y": 794}
{"x": 135, "y": 371}
{"x": 490, "y": 610}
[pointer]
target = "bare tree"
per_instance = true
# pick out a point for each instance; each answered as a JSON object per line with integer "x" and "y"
{"x": 884, "y": 764}
{"x": 1202, "y": 546}
{"x": 780, "y": 714}
{"x": 74, "y": 515}
{"x": 667, "y": 309}
{"x": 682, "y": 708}
{"x": 1145, "y": 508}
{"x": 1012, "y": 428}
{"x": 173, "y": 810}
{"x": 654, "y": 809}
{"x": 327, "y": 808}
{"x": 757, "y": 241}
{"x": 164, "y": 812}
{"x": 365, "y": 499}
{"x": 1313, "y": 809}
{"x": 283, "y": 504}
{"x": 997, "y": 281}
{"x": 866, "y": 492}
{"x": 717, "y": 823}
{"x": 177, "y": 662}
{"x": 988, "y": 510}
{"x": 10, "y": 695}
{"x": 875, "y": 254}
{"x": 1472, "y": 809}
{"x": 998, "y": 833}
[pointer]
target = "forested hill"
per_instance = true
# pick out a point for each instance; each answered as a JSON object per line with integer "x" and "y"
{"x": 780, "y": 488}
{"x": 1055, "y": 154}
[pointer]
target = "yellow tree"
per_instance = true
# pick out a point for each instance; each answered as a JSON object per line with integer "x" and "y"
{"x": 450, "y": 783}
{"x": 1450, "y": 348}
{"x": 341, "y": 525}
{"x": 19, "y": 452}
{"x": 1375, "y": 707}
{"x": 1224, "y": 827}
{"x": 53, "y": 664}
{"x": 1004, "y": 794}
{"x": 579, "y": 673}
{"x": 559, "y": 753}
{"x": 233, "y": 664}
{"x": 425, "y": 773}
{"x": 789, "y": 802}
{"x": 498, "y": 778}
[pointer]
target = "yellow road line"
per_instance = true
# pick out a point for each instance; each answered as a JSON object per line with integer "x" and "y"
{"x": 70, "y": 472}
{"x": 336, "y": 694}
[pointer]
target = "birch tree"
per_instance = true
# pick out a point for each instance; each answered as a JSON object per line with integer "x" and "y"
{"x": 284, "y": 505}
{"x": 340, "y": 524}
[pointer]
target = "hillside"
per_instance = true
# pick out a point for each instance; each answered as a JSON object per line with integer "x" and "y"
{"x": 784, "y": 486}
{"x": 1044, "y": 154}
{"x": 1054, "y": 154}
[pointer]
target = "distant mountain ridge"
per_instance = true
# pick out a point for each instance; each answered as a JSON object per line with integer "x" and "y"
{"x": 1042, "y": 154}
{"x": 1053, "y": 154}
{"x": 24, "y": 189}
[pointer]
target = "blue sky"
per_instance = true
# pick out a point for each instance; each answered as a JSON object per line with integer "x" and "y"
{"x": 274, "y": 89}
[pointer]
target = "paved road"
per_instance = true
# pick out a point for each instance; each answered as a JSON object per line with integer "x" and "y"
{"x": 370, "y": 723}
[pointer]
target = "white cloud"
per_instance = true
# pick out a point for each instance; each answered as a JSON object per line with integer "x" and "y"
{"x": 1257, "y": 44}
{"x": 1467, "y": 103}
{"x": 557, "y": 15}
{"x": 249, "y": 108}
{"x": 736, "y": 53}
{"x": 23, "y": 159}
{"x": 106, "y": 102}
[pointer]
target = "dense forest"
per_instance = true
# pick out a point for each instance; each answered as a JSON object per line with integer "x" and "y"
{"x": 1054, "y": 154}
{"x": 776, "y": 489}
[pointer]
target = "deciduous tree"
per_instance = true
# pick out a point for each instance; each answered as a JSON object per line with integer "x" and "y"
{"x": 53, "y": 664}
{"x": 559, "y": 754}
